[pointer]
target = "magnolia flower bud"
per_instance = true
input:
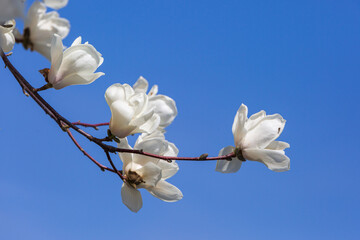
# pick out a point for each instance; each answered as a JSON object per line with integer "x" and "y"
{"x": 75, "y": 66}
{"x": 10, "y": 9}
{"x": 163, "y": 105}
{"x": 40, "y": 27}
{"x": 130, "y": 111}
{"x": 255, "y": 140}
{"x": 149, "y": 173}
{"x": 7, "y": 39}
{"x": 56, "y": 4}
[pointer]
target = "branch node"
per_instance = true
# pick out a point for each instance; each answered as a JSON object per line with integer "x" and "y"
{"x": 238, "y": 154}
{"x": 64, "y": 126}
{"x": 203, "y": 156}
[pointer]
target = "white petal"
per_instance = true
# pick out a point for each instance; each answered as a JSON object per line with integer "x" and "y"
{"x": 156, "y": 146}
{"x": 56, "y": 57}
{"x": 56, "y": 4}
{"x": 239, "y": 122}
{"x": 275, "y": 160}
{"x": 165, "y": 107}
{"x": 168, "y": 169}
{"x": 140, "y": 102}
{"x": 10, "y": 9}
{"x": 77, "y": 79}
{"x": 157, "y": 134}
{"x": 151, "y": 124}
{"x": 80, "y": 59}
{"x": 76, "y": 41}
{"x": 114, "y": 93}
{"x": 267, "y": 130}
{"x": 35, "y": 13}
{"x": 131, "y": 197}
{"x": 278, "y": 145}
{"x": 166, "y": 192}
{"x": 225, "y": 166}
{"x": 153, "y": 91}
{"x": 141, "y": 85}
{"x": 7, "y": 40}
{"x": 150, "y": 173}
{"x": 121, "y": 116}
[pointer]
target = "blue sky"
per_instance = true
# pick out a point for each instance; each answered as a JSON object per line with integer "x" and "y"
{"x": 296, "y": 58}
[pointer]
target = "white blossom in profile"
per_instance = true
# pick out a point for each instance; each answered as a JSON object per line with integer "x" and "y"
{"x": 255, "y": 140}
{"x": 7, "y": 39}
{"x": 130, "y": 111}
{"x": 147, "y": 172}
{"x": 74, "y": 66}
{"x": 56, "y": 4}
{"x": 10, "y": 9}
{"x": 40, "y": 27}
{"x": 163, "y": 105}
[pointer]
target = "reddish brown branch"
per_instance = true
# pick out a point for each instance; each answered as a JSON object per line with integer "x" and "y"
{"x": 113, "y": 165}
{"x": 95, "y": 126}
{"x": 102, "y": 167}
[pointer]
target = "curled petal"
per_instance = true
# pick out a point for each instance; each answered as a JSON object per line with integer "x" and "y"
{"x": 150, "y": 124}
{"x": 155, "y": 143}
{"x": 168, "y": 169}
{"x": 115, "y": 92}
{"x": 141, "y": 85}
{"x": 275, "y": 160}
{"x": 131, "y": 197}
{"x": 7, "y": 39}
{"x": 121, "y": 117}
{"x": 267, "y": 130}
{"x": 81, "y": 58}
{"x": 165, "y": 107}
{"x": 225, "y": 166}
{"x": 166, "y": 192}
{"x": 56, "y": 55}
{"x": 254, "y": 120}
{"x": 278, "y": 145}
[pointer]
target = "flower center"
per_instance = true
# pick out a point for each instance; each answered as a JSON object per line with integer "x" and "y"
{"x": 134, "y": 179}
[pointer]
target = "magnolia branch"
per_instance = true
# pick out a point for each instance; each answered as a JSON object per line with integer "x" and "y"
{"x": 66, "y": 125}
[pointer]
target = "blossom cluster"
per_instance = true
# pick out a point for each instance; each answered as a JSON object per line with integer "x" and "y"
{"x": 134, "y": 109}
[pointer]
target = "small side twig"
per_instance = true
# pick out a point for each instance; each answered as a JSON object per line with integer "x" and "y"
{"x": 113, "y": 165}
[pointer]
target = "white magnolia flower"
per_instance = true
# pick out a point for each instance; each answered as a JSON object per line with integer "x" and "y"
{"x": 163, "y": 105}
{"x": 255, "y": 140}
{"x": 10, "y": 9}
{"x": 74, "y": 66}
{"x": 130, "y": 111}
{"x": 56, "y": 4}
{"x": 40, "y": 27}
{"x": 148, "y": 173}
{"x": 7, "y": 39}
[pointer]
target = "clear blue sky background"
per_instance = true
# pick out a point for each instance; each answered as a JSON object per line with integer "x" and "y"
{"x": 296, "y": 58}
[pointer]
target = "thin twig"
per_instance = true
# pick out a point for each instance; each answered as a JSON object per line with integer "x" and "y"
{"x": 95, "y": 126}
{"x": 113, "y": 165}
{"x": 102, "y": 167}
